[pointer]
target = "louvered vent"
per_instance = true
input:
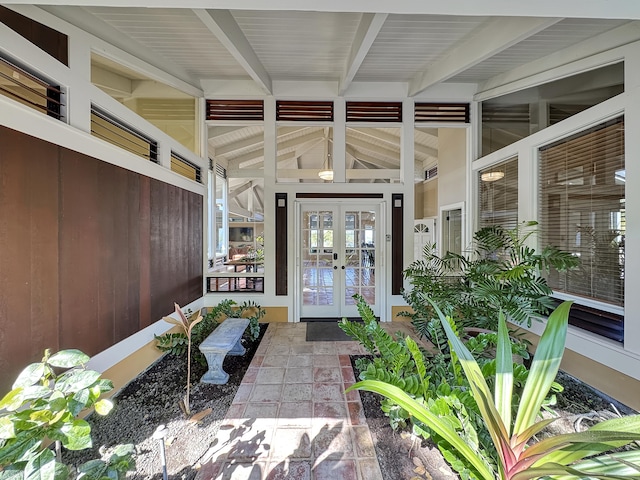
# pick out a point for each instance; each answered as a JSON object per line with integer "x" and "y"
{"x": 221, "y": 171}
{"x": 505, "y": 113}
{"x": 442, "y": 112}
{"x": 431, "y": 173}
{"x": 304, "y": 111}
{"x": 114, "y": 131}
{"x": 235, "y": 110}
{"x": 30, "y": 90}
{"x": 374, "y": 111}
{"x": 185, "y": 168}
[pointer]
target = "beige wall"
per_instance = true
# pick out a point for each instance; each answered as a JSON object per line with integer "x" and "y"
{"x": 451, "y": 166}
{"x": 430, "y": 198}
{"x": 426, "y": 199}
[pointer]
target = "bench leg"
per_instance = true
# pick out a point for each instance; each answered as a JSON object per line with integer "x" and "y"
{"x": 237, "y": 349}
{"x": 215, "y": 375}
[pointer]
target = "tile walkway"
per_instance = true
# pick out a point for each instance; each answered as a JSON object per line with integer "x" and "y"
{"x": 291, "y": 418}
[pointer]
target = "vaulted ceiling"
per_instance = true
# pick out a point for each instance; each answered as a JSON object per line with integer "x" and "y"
{"x": 405, "y": 47}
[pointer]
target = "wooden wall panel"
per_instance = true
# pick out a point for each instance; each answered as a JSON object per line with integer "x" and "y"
{"x": 44, "y": 37}
{"x": 90, "y": 253}
{"x": 176, "y": 247}
{"x": 80, "y": 254}
{"x": 28, "y": 252}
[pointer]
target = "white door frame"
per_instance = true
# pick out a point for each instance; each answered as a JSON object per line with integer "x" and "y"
{"x": 380, "y": 248}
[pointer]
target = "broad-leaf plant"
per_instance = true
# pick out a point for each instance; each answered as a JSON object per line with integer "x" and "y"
{"x": 187, "y": 324}
{"x": 593, "y": 453}
{"x": 43, "y": 409}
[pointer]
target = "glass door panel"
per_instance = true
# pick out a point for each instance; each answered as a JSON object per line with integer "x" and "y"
{"x": 338, "y": 251}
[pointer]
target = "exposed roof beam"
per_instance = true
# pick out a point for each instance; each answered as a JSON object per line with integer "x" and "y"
{"x": 157, "y": 63}
{"x": 294, "y": 142}
{"x": 216, "y": 131}
{"x": 488, "y": 39}
{"x": 378, "y": 134}
{"x": 222, "y": 24}
{"x": 368, "y": 30}
{"x": 364, "y": 158}
{"x": 233, "y": 193}
{"x": 392, "y": 139}
{"x": 256, "y": 198}
{"x": 423, "y": 149}
{"x": 111, "y": 81}
{"x": 357, "y": 142}
{"x": 536, "y": 71}
{"x": 252, "y": 141}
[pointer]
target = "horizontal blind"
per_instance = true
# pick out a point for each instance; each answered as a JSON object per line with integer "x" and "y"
{"x": 498, "y": 195}
{"x": 582, "y": 210}
{"x": 30, "y": 90}
{"x": 112, "y": 130}
{"x": 185, "y": 168}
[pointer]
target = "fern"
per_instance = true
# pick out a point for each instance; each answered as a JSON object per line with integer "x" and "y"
{"x": 174, "y": 343}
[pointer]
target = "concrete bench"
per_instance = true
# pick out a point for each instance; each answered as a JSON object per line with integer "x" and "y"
{"x": 224, "y": 339}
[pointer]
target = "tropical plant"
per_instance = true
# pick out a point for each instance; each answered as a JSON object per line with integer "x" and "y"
{"x": 43, "y": 407}
{"x": 176, "y": 343}
{"x": 187, "y": 324}
{"x": 520, "y": 457}
{"x": 428, "y": 377}
{"x": 501, "y": 273}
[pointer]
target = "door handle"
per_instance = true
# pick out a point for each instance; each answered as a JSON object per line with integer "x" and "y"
{"x": 335, "y": 267}
{"x": 343, "y": 267}
{"x": 335, "y": 256}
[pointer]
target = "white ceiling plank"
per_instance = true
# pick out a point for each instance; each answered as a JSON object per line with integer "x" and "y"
{"x": 216, "y": 131}
{"x": 294, "y": 142}
{"x": 368, "y": 30}
{"x": 526, "y": 75}
{"x": 491, "y": 37}
{"x": 539, "y": 8}
{"x": 358, "y": 142}
{"x": 252, "y": 141}
{"x": 222, "y": 24}
{"x": 132, "y": 53}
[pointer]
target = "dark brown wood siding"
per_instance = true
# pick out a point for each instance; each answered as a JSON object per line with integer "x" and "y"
{"x": 90, "y": 253}
{"x": 46, "y": 38}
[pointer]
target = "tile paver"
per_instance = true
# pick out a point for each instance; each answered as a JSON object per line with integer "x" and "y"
{"x": 291, "y": 418}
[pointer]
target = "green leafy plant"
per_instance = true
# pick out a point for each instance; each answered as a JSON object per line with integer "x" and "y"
{"x": 43, "y": 406}
{"x": 187, "y": 324}
{"x": 429, "y": 377}
{"x": 177, "y": 343}
{"x": 520, "y": 457}
{"x": 501, "y": 273}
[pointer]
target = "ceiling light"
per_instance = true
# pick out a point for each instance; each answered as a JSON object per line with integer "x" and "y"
{"x": 326, "y": 174}
{"x": 491, "y": 176}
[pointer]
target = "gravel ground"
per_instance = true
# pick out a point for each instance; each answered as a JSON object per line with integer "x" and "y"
{"x": 152, "y": 400}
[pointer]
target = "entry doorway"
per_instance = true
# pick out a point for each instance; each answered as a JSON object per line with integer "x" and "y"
{"x": 339, "y": 254}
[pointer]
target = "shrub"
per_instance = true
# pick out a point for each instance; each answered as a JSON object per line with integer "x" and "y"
{"x": 44, "y": 406}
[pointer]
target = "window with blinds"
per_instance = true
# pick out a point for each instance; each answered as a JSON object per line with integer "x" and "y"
{"x": 582, "y": 210}
{"x": 498, "y": 195}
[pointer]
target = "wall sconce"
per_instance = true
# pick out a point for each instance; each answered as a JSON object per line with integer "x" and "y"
{"x": 491, "y": 176}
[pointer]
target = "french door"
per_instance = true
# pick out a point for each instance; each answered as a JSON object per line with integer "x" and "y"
{"x": 339, "y": 253}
